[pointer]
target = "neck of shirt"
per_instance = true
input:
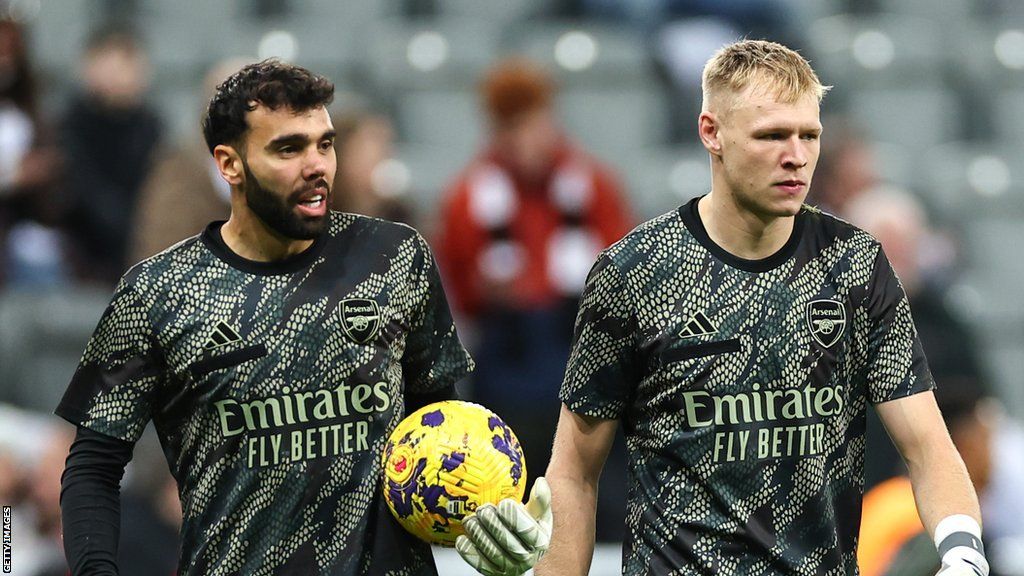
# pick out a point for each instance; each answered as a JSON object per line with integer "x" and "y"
{"x": 691, "y": 217}
{"x": 213, "y": 238}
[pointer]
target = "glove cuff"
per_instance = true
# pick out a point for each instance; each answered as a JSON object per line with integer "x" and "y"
{"x": 958, "y": 538}
{"x": 956, "y": 523}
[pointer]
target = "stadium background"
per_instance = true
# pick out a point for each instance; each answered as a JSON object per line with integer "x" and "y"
{"x": 936, "y": 87}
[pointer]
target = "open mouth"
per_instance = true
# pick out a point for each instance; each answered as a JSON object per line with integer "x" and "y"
{"x": 314, "y": 201}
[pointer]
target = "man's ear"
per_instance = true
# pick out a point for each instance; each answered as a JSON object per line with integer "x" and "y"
{"x": 229, "y": 163}
{"x": 708, "y": 128}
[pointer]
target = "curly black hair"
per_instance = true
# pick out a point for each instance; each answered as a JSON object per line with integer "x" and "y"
{"x": 269, "y": 83}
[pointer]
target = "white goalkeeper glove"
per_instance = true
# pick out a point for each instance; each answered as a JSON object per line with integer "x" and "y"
{"x": 962, "y": 569}
{"x": 508, "y": 539}
{"x": 958, "y": 539}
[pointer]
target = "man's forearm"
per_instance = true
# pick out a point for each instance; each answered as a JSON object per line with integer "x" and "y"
{"x": 574, "y": 503}
{"x": 943, "y": 491}
{"x": 942, "y": 486}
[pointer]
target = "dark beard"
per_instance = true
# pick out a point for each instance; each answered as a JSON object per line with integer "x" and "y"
{"x": 277, "y": 212}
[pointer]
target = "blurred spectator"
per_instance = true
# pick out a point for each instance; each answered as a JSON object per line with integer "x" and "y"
{"x": 184, "y": 191}
{"x": 109, "y": 135}
{"x": 897, "y": 220}
{"x": 893, "y": 542}
{"x": 753, "y": 18}
{"x": 685, "y": 33}
{"x": 520, "y": 229}
{"x": 846, "y": 170}
{"x": 918, "y": 256}
{"x": 11, "y": 482}
{"x": 44, "y": 495}
{"x": 23, "y": 438}
{"x": 364, "y": 145}
{"x": 13, "y": 488}
{"x": 690, "y": 31}
{"x": 31, "y": 246}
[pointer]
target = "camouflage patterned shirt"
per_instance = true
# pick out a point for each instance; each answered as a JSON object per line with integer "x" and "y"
{"x": 273, "y": 388}
{"x": 742, "y": 387}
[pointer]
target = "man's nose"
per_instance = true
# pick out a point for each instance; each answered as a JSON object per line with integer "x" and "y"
{"x": 315, "y": 165}
{"x": 796, "y": 155}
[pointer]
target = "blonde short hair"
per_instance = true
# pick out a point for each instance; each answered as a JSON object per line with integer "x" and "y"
{"x": 764, "y": 64}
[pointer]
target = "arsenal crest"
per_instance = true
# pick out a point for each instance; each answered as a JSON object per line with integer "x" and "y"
{"x": 360, "y": 319}
{"x": 827, "y": 321}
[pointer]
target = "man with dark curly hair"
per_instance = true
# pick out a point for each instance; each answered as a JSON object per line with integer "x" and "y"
{"x": 274, "y": 353}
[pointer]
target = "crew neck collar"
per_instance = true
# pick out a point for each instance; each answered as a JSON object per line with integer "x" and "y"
{"x": 691, "y": 218}
{"x": 213, "y": 238}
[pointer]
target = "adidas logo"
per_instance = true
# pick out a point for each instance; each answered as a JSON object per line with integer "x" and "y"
{"x": 699, "y": 325}
{"x": 222, "y": 336}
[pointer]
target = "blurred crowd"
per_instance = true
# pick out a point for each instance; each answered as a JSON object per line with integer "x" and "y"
{"x": 89, "y": 190}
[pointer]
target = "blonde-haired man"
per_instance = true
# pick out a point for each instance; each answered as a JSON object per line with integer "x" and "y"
{"x": 740, "y": 339}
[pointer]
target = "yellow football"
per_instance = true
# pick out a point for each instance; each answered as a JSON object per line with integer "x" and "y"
{"x": 443, "y": 462}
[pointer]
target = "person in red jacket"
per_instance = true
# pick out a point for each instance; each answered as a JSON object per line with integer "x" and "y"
{"x": 520, "y": 228}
